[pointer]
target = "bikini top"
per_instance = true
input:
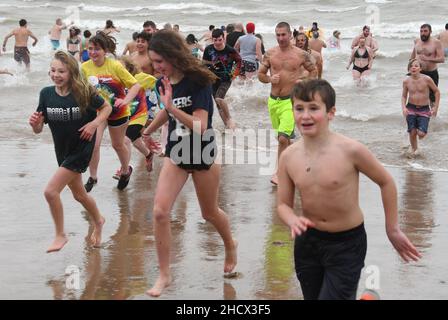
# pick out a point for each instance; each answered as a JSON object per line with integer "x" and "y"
{"x": 364, "y": 56}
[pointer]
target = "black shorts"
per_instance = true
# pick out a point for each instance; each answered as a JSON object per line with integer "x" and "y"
{"x": 134, "y": 131}
{"x": 118, "y": 122}
{"x": 328, "y": 265}
{"x": 434, "y": 75}
{"x": 220, "y": 88}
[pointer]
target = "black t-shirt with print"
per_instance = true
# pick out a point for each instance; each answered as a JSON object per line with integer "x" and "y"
{"x": 65, "y": 119}
{"x": 184, "y": 146}
{"x": 226, "y": 62}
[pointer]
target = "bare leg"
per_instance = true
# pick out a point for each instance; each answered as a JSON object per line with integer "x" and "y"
{"x": 413, "y": 139}
{"x": 356, "y": 76}
{"x": 117, "y": 135}
{"x": 80, "y": 195}
{"x": 95, "y": 161}
{"x": 170, "y": 183}
{"x": 224, "y": 112}
{"x": 140, "y": 146}
{"x": 52, "y": 192}
{"x": 206, "y": 183}
{"x": 283, "y": 143}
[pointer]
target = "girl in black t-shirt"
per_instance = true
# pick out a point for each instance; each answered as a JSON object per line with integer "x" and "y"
{"x": 73, "y": 110}
{"x": 186, "y": 96}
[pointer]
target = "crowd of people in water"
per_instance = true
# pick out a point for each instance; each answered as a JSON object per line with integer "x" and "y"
{"x": 166, "y": 82}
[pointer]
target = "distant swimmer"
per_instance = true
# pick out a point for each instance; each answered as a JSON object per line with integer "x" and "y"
{"x": 55, "y": 33}
{"x": 21, "y": 35}
{"x": 84, "y": 45}
{"x": 316, "y": 43}
{"x": 443, "y": 37}
{"x": 334, "y": 42}
{"x": 74, "y": 42}
{"x": 301, "y": 42}
{"x": 207, "y": 36}
{"x": 131, "y": 47}
{"x": 284, "y": 62}
{"x": 429, "y": 52}
{"x": 314, "y": 28}
{"x": 73, "y": 110}
{"x": 370, "y": 41}
{"x": 194, "y": 46}
{"x": 415, "y": 103}
{"x": 110, "y": 28}
{"x": 362, "y": 59}
{"x": 149, "y": 27}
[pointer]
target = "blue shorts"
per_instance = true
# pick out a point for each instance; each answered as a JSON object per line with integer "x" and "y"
{"x": 420, "y": 123}
{"x": 55, "y": 44}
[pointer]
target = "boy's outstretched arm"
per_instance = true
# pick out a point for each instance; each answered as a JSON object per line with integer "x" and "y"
{"x": 366, "y": 163}
{"x": 285, "y": 200}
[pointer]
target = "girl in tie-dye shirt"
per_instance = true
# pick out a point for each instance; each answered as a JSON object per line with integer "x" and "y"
{"x": 111, "y": 80}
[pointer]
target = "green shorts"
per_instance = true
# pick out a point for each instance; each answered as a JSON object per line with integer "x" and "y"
{"x": 282, "y": 117}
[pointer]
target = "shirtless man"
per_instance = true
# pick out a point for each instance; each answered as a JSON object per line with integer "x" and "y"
{"x": 301, "y": 42}
{"x": 55, "y": 33}
{"x": 443, "y": 37}
{"x": 415, "y": 103}
{"x": 207, "y": 36}
{"x": 317, "y": 44}
{"x": 21, "y": 35}
{"x": 131, "y": 47}
{"x": 284, "y": 62}
{"x": 370, "y": 41}
{"x": 141, "y": 56}
{"x": 149, "y": 27}
{"x": 429, "y": 52}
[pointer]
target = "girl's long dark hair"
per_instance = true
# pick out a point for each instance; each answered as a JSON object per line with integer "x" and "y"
{"x": 172, "y": 48}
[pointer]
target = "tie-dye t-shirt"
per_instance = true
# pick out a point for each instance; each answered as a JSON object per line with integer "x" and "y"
{"x": 111, "y": 80}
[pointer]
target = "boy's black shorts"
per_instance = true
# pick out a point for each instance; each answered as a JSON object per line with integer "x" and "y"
{"x": 328, "y": 265}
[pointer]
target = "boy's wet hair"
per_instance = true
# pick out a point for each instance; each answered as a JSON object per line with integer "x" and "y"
{"x": 217, "y": 33}
{"x": 306, "y": 91}
{"x": 411, "y": 62}
{"x": 22, "y": 22}
{"x": 87, "y": 33}
{"x": 144, "y": 36}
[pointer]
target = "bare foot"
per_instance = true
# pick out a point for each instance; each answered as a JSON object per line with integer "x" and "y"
{"x": 95, "y": 238}
{"x": 231, "y": 257}
{"x": 230, "y": 124}
{"x": 161, "y": 283}
{"x": 274, "y": 180}
{"x": 58, "y": 243}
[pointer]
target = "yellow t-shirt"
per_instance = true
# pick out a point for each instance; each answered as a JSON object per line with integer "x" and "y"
{"x": 147, "y": 81}
{"x": 111, "y": 80}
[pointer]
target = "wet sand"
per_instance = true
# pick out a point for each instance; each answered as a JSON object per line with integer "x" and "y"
{"x": 126, "y": 266}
